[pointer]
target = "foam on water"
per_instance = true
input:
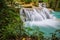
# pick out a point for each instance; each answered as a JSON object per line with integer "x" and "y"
{"x": 40, "y": 17}
{"x": 44, "y": 23}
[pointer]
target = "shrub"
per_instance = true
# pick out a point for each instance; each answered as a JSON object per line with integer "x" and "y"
{"x": 32, "y": 32}
{"x": 10, "y": 24}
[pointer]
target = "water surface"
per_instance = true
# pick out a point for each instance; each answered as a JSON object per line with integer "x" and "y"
{"x": 47, "y": 26}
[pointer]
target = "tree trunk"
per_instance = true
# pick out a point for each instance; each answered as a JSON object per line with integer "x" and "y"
{"x": 57, "y": 4}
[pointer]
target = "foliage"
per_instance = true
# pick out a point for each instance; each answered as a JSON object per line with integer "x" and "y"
{"x": 56, "y": 35}
{"x": 45, "y": 0}
{"x": 27, "y": 1}
{"x": 10, "y": 22}
{"x": 34, "y": 0}
{"x": 32, "y": 32}
{"x": 54, "y": 4}
{"x": 12, "y": 25}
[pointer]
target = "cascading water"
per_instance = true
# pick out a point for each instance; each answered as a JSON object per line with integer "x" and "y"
{"x": 40, "y": 17}
{"x": 37, "y": 14}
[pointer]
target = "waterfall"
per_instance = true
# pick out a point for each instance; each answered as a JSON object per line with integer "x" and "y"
{"x": 40, "y": 17}
{"x": 35, "y": 14}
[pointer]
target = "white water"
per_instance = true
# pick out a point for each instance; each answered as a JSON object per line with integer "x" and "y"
{"x": 41, "y": 17}
{"x": 37, "y": 14}
{"x": 38, "y": 17}
{"x": 44, "y": 23}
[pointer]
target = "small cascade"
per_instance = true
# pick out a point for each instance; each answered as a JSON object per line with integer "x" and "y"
{"x": 41, "y": 13}
{"x": 47, "y": 13}
{"x": 40, "y": 17}
{"x": 36, "y": 14}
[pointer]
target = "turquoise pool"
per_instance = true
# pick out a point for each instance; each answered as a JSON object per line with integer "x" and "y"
{"x": 47, "y": 26}
{"x": 56, "y": 14}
